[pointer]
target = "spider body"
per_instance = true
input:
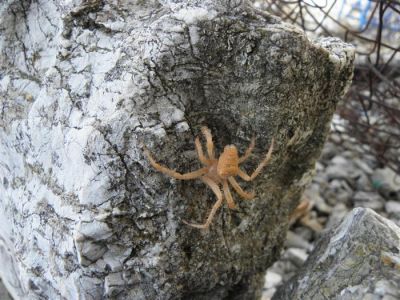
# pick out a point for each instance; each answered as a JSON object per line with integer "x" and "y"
{"x": 228, "y": 162}
{"x": 213, "y": 171}
{"x": 218, "y": 173}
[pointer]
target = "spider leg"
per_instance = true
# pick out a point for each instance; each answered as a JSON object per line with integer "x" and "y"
{"x": 262, "y": 164}
{"x": 210, "y": 145}
{"x": 242, "y": 174}
{"x": 238, "y": 189}
{"x": 200, "y": 152}
{"x": 228, "y": 195}
{"x": 248, "y": 150}
{"x": 214, "y": 209}
{"x": 172, "y": 173}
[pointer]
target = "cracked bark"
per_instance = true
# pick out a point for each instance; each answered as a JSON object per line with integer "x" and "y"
{"x": 85, "y": 84}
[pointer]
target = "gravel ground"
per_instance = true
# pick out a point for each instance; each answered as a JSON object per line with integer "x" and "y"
{"x": 346, "y": 177}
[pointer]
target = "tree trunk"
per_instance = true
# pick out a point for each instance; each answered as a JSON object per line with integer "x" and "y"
{"x": 86, "y": 84}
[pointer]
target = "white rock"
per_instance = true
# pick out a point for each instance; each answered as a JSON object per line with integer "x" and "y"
{"x": 393, "y": 208}
{"x": 272, "y": 279}
{"x": 368, "y": 200}
{"x": 362, "y": 165}
{"x": 338, "y": 213}
{"x": 296, "y": 255}
{"x": 294, "y": 240}
{"x": 387, "y": 182}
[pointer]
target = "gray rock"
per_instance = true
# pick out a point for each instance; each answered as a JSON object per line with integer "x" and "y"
{"x": 272, "y": 279}
{"x": 285, "y": 268}
{"x": 393, "y": 209}
{"x": 368, "y": 200}
{"x": 85, "y": 85}
{"x": 322, "y": 206}
{"x": 329, "y": 151}
{"x": 339, "y": 171}
{"x": 296, "y": 255}
{"x": 338, "y": 191}
{"x": 363, "y": 166}
{"x": 340, "y": 160}
{"x": 313, "y": 193}
{"x": 294, "y": 240}
{"x": 268, "y": 293}
{"x": 319, "y": 167}
{"x": 387, "y": 182}
{"x": 4, "y": 295}
{"x": 338, "y": 213}
{"x": 304, "y": 232}
{"x": 363, "y": 183}
{"x": 360, "y": 259}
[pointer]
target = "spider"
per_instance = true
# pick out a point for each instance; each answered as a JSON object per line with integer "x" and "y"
{"x": 218, "y": 172}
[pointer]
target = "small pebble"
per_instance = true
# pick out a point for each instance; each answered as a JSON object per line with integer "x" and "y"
{"x": 393, "y": 209}
{"x": 363, "y": 166}
{"x": 368, "y": 200}
{"x": 339, "y": 212}
{"x": 297, "y": 256}
{"x": 272, "y": 279}
{"x": 387, "y": 182}
{"x": 294, "y": 240}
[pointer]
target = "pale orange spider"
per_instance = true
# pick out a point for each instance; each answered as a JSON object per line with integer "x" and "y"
{"x": 218, "y": 172}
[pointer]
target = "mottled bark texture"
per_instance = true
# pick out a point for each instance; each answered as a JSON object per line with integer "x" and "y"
{"x": 360, "y": 259}
{"x": 85, "y": 84}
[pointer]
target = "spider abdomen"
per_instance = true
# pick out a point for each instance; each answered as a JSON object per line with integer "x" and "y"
{"x": 228, "y": 163}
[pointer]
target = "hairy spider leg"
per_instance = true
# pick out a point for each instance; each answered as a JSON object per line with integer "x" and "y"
{"x": 238, "y": 189}
{"x": 262, "y": 164}
{"x": 214, "y": 187}
{"x": 172, "y": 173}
{"x": 248, "y": 151}
{"x": 228, "y": 195}
{"x": 200, "y": 152}
{"x": 210, "y": 145}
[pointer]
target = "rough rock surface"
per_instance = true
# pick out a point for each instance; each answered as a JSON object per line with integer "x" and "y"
{"x": 4, "y": 295}
{"x": 84, "y": 84}
{"x": 331, "y": 199}
{"x": 360, "y": 259}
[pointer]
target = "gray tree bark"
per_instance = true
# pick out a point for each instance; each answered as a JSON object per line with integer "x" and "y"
{"x": 85, "y": 84}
